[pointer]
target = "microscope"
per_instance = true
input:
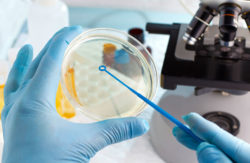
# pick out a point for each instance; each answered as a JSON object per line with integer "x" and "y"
{"x": 206, "y": 70}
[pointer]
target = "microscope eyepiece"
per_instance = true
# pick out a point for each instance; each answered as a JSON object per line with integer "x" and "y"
{"x": 229, "y": 14}
{"x": 199, "y": 23}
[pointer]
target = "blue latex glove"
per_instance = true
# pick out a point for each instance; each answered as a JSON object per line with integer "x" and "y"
{"x": 33, "y": 131}
{"x": 221, "y": 146}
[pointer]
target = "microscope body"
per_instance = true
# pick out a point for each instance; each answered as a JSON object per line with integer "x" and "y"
{"x": 229, "y": 11}
{"x": 209, "y": 57}
{"x": 206, "y": 70}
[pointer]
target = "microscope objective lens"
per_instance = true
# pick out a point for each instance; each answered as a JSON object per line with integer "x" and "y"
{"x": 199, "y": 23}
{"x": 228, "y": 25}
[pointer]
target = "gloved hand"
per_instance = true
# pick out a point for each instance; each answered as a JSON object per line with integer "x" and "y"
{"x": 220, "y": 146}
{"x": 33, "y": 131}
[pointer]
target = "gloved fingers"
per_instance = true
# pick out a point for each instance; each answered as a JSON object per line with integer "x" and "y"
{"x": 208, "y": 153}
{"x": 47, "y": 75}
{"x": 18, "y": 70}
{"x": 185, "y": 139}
{"x": 36, "y": 61}
{"x": 237, "y": 149}
{"x": 117, "y": 130}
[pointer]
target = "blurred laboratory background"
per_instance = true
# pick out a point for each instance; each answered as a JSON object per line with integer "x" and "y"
{"x": 35, "y": 21}
{"x": 30, "y": 21}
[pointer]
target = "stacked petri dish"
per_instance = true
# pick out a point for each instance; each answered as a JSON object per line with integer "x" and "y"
{"x": 96, "y": 94}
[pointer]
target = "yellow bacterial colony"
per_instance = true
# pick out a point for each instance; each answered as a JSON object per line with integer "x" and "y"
{"x": 63, "y": 107}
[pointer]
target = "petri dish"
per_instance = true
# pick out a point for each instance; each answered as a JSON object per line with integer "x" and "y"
{"x": 95, "y": 93}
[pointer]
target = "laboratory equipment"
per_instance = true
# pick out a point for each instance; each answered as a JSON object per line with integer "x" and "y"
{"x": 99, "y": 96}
{"x": 153, "y": 105}
{"x": 45, "y": 18}
{"x": 139, "y": 34}
{"x": 205, "y": 70}
{"x": 12, "y": 18}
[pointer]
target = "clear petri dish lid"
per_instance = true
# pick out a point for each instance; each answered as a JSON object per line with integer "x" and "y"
{"x": 95, "y": 93}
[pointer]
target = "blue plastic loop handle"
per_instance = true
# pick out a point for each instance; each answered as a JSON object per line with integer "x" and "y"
{"x": 156, "y": 107}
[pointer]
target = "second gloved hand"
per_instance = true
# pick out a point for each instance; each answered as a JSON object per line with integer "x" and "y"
{"x": 33, "y": 131}
{"x": 220, "y": 146}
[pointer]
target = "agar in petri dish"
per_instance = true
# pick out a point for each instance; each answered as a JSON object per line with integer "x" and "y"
{"x": 97, "y": 94}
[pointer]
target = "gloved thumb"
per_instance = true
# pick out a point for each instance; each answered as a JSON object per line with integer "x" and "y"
{"x": 104, "y": 133}
{"x": 208, "y": 153}
{"x": 116, "y": 130}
